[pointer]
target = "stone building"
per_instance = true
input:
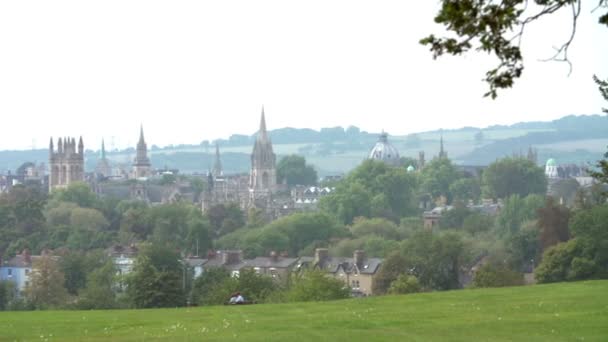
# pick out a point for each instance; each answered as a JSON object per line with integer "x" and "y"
{"x": 141, "y": 165}
{"x": 263, "y": 175}
{"x": 66, "y": 164}
{"x": 358, "y": 273}
{"x": 384, "y": 151}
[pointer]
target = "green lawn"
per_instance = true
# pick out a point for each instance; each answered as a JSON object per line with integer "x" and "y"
{"x": 557, "y": 312}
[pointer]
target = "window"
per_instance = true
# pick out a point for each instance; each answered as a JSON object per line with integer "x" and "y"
{"x": 10, "y": 272}
{"x": 27, "y": 271}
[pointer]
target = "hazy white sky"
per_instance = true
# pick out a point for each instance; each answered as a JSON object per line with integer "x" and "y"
{"x": 197, "y": 70}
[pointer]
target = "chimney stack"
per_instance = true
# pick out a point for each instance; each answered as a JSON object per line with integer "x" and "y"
{"x": 274, "y": 256}
{"x": 321, "y": 254}
{"x": 359, "y": 257}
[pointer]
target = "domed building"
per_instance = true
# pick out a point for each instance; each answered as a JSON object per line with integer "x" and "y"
{"x": 551, "y": 169}
{"x": 411, "y": 168}
{"x": 384, "y": 151}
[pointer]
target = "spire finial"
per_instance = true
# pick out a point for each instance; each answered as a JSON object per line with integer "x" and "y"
{"x": 263, "y": 132}
{"x": 141, "y": 133}
{"x": 103, "y": 149}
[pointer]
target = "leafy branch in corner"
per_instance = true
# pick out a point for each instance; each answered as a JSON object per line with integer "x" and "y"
{"x": 603, "y": 88}
{"x": 497, "y": 27}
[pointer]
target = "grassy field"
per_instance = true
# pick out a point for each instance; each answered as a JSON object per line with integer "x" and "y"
{"x": 557, "y": 312}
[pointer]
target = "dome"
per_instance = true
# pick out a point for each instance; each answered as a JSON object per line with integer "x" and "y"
{"x": 551, "y": 162}
{"x": 410, "y": 168}
{"x": 384, "y": 151}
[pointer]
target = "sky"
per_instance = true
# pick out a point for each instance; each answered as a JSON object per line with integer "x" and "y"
{"x": 201, "y": 70}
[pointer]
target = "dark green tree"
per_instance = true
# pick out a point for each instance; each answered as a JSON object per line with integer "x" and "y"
{"x": 293, "y": 170}
{"x": 157, "y": 280}
{"x": 437, "y": 177}
{"x": 315, "y": 285}
{"x": 513, "y": 176}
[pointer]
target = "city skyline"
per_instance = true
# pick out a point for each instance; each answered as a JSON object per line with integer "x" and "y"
{"x": 202, "y": 71}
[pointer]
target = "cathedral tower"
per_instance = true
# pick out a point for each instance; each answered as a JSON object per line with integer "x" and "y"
{"x": 217, "y": 164}
{"x": 263, "y": 176}
{"x": 103, "y": 168}
{"x": 66, "y": 164}
{"x": 141, "y": 164}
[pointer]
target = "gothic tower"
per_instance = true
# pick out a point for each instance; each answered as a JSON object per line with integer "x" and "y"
{"x": 141, "y": 164}
{"x": 263, "y": 176}
{"x": 217, "y": 164}
{"x": 66, "y": 165}
{"x": 103, "y": 169}
{"x": 442, "y": 152}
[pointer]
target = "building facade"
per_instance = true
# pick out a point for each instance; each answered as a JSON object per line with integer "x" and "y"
{"x": 66, "y": 164}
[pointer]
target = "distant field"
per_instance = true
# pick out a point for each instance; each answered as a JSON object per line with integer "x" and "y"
{"x": 557, "y": 312}
{"x": 591, "y": 145}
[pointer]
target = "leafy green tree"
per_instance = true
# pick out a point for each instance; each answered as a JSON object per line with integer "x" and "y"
{"x": 523, "y": 246}
{"x": 208, "y": 284}
{"x": 392, "y": 267}
{"x": 553, "y": 223}
{"x": 375, "y": 226}
{"x": 4, "y": 294}
{"x": 513, "y": 176}
{"x": 90, "y": 219}
{"x": 293, "y": 170}
{"x": 497, "y": 29}
{"x": 454, "y": 219}
{"x": 405, "y": 284}
{"x": 45, "y": 289}
{"x": 79, "y": 193}
{"x": 496, "y": 275}
{"x": 437, "y": 177}
{"x": 315, "y": 285}
{"x": 477, "y": 223}
{"x": 465, "y": 189}
{"x": 434, "y": 260}
{"x": 372, "y": 188}
{"x": 99, "y": 292}
{"x": 157, "y": 279}
{"x": 225, "y": 219}
{"x": 517, "y": 210}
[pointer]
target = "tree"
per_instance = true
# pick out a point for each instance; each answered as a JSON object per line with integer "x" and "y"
{"x": 79, "y": 193}
{"x": 157, "y": 279}
{"x": 496, "y": 275}
{"x": 405, "y": 284}
{"x": 465, "y": 189}
{"x": 376, "y": 226}
{"x": 497, "y": 28}
{"x": 45, "y": 289}
{"x": 99, "y": 291}
{"x": 206, "y": 286}
{"x": 517, "y": 210}
{"x": 392, "y": 267}
{"x": 293, "y": 170}
{"x": 372, "y": 188}
{"x": 513, "y": 176}
{"x": 315, "y": 285}
{"x": 553, "y": 223}
{"x": 437, "y": 177}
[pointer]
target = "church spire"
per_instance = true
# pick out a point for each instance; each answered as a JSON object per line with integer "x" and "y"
{"x": 103, "y": 149}
{"x": 141, "y": 135}
{"x": 442, "y": 152}
{"x": 217, "y": 165}
{"x": 262, "y": 134}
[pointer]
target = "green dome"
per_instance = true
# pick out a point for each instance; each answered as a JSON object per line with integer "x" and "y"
{"x": 410, "y": 169}
{"x": 551, "y": 162}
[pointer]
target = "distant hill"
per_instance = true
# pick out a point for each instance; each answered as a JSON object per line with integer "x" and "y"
{"x": 335, "y": 150}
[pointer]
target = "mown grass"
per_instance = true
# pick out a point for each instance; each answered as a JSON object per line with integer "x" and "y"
{"x": 556, "y": 312}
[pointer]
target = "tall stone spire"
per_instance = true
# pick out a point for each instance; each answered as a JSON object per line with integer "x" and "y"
{"x": 442, "y": 152}
{"x": 262, "y": 134}
{"x": 217, "y": 164}
{"x": 103, "y": 150}
{"x": 263, "y": 161}
{"x": 141, "y": 164}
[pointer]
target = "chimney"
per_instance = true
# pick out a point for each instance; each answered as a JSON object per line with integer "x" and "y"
{"x": 359, "y": 257}
{"x": 274, "y": 256}
{"x": 231, "y": 257}
{"x": 26, "y": 256}
{"x": 321, "y": 254}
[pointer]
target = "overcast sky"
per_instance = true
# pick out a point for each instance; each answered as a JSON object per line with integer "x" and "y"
{"x": 200, "y": 70}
